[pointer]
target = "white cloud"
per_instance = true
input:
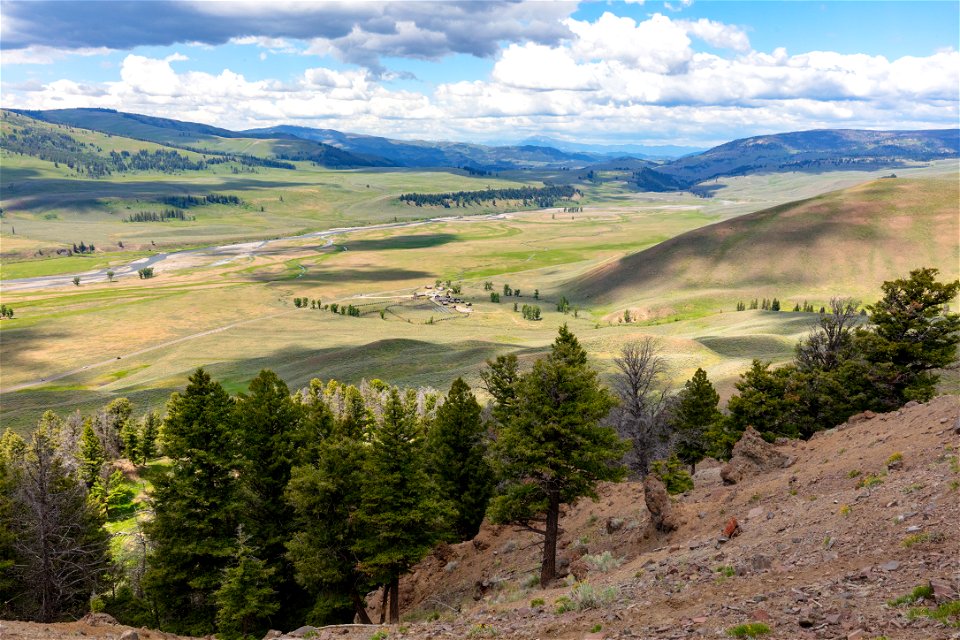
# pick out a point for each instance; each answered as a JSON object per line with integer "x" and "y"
{"x": 717, "y": 34}
{"x": 658, "y": 44}
{"x": 615, "y": 78}
{"x": 46, "y": 55}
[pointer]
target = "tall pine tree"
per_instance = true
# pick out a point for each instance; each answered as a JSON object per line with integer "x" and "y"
{"x": 326, "y": 496}
{"x": 401, "y": 515}
{"x": 92, "y": 456}
{"x": 246, "y": 598}
{"x": 195, "y": 508}
{"x": 550, "y": 448}
{"x": 267, "y": 421}
{"x": 457, "y": 447}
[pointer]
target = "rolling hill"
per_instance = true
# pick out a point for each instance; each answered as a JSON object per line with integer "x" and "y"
{"x": 841, "y": 243}
{"x": 203, "y": 138}
{"x": 820, "y": 150}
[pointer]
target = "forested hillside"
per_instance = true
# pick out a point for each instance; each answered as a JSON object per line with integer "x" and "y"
{"x": 202, "y": 138}
{"x": 817, "y": 151}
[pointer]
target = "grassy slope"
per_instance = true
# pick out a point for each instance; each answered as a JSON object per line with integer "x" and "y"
{"x": 845, "y": 242}
{"x": 48, "y": 207}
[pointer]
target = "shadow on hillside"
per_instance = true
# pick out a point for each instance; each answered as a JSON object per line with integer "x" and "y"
{"x": 18, "y": 346}
{"x": 40, "y": 193}
{"x": 12, "y": 174}
{"x": 398, "y": 361}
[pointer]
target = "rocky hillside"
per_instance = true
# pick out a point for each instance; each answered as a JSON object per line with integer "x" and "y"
{"x": 812, "y": 539}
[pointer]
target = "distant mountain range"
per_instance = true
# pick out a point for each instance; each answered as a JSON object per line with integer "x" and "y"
{"x": 647, "y": 152}
{"x": 820, "y": 150}
{"x": 423, "y": 153}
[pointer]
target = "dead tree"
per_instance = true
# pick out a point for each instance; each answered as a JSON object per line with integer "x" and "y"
{"x": 60, "y": 545}
{"x": 643, "y": 416}
{"x": 830, "y": 338}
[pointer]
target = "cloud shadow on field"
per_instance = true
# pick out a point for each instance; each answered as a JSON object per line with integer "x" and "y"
{"x": 416, "y": 241}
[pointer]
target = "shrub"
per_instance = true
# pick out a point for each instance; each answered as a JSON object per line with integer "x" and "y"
{"x": 537, "y": 602}
{"x": 749, "y": 630}
{"x": 585, "y": 596}
{"x": 97, "y": 605}
{"x": 923, "y": 592}
{"x": 947, "y": 613}
{"x": 726, "y": 571}
{"x": 603, "y": 562}
{"x": 673, "y": 473}
{"x": 531, "y": 581}
{"x": 563, "y": 604}
{"x": 482, "y": 631}
{"x": 920, "y": 538}
{"x": 870, "y": 480}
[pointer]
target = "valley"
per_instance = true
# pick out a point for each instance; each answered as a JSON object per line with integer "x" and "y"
{"x": 679, "y": 264}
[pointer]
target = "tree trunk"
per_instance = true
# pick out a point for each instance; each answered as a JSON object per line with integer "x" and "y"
{"x": 548, "y": 568}
{"x": 395, "y": 600}
{"x": 383, "y": 603}
{"x": 361, "y": 608}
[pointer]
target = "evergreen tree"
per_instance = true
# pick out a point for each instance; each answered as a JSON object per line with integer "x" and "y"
{"x": 129, "y": 440}
{"x": 500, "y": 379}
{"x": 267, "y": 421}
{"x": 401, "y": 515}
{"x": 149, "y": 432}
{"x": 695, "y": 415}
{"x": 551, "y": 450}
{"x": 12, "y": 450}
{"x": 246, "y": 597}
{"x": 91, "y": 455}
{"x": 195, "y": 508}
{"x": 326, "y": 496}
{"x": 912, "y": 336}
{"x": 457, "y": 446}
{"x": 357, "y": 418}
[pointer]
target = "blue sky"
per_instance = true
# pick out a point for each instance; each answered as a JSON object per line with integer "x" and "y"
{"x": 677, "y": 72}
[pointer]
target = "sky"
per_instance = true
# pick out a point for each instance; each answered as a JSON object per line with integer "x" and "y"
{"x": 683, "y": 72}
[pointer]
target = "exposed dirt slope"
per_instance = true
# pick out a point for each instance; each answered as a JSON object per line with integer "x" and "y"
{"x": 818, "y": 556}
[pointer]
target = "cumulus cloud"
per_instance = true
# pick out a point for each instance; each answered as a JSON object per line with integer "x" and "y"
{"x": 154, "y": 86}
{"x": 613, "y": 78}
